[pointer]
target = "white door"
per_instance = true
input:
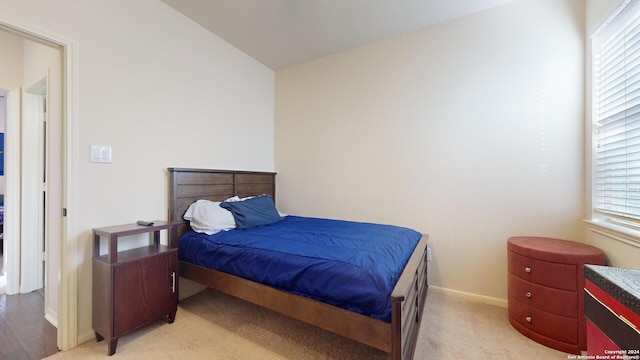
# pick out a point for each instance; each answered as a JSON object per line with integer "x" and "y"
{"x": 25, "y": 211}
{"x": 33, "y": 187}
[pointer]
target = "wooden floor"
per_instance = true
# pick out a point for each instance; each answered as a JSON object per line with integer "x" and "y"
{"x": 24, "y": 332}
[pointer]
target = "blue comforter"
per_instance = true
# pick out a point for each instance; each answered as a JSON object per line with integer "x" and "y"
{"x": 347, "y": 264}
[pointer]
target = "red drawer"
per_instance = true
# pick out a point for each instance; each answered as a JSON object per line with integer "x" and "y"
{"x": 555, "y": 275}
{"x": 559, "y": 302}
{"x": 556, "y": 327}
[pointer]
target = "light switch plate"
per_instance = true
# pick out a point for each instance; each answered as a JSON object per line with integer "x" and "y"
{"x": 100, "y": 154}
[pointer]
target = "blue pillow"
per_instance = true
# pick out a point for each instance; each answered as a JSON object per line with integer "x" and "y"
{"x": 253, "y": 212}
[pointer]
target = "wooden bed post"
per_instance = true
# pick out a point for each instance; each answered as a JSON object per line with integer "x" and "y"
{"x": 396, "y": 328}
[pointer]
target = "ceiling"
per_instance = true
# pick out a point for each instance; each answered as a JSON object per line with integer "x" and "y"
{"x": 283, "y": 33}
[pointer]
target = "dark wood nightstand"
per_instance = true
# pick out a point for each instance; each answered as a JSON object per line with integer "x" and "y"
{"x": 133, "y": 288}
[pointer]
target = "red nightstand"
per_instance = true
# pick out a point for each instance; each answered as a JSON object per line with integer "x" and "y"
{"x": 546, "y": 298}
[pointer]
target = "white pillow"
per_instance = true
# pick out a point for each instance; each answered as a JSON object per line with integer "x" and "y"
{"x": 208, "y": 217}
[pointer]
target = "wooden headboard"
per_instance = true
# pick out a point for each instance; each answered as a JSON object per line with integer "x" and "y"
{"x": 189, "y": 185}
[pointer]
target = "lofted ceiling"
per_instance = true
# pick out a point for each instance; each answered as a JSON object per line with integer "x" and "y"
{"x": 283, "y": 33}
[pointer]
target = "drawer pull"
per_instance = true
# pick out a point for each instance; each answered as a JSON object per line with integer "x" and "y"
{"x": 173, "y": 282}
{"x": 528, "y": 319}
{"x": 527, "y": 269}
{"x": 528, "y": 294}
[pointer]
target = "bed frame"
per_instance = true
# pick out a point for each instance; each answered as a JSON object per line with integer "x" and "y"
{"x": 398, "y": 338}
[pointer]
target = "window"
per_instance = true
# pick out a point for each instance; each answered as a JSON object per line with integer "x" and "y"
{"x": 616, "y": 116}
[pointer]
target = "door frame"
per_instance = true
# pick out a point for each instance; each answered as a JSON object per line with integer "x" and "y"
{"x": 69, "y": 246}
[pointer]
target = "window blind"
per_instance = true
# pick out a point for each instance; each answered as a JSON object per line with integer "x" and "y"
{"x": 616, "y": 114}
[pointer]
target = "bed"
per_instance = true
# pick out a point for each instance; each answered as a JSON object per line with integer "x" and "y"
{"x": 397, "y": 337}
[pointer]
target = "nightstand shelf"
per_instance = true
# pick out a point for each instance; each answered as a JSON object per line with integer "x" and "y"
{"x": 135, "y": 287}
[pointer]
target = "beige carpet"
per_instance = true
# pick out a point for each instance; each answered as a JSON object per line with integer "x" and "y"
{"x": 211, "y": 325}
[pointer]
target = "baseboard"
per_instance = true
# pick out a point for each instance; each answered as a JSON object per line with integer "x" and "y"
{"x": 52, "y": 317}
{"x": 87, "y": 336}
{"x": 469, "y": 296}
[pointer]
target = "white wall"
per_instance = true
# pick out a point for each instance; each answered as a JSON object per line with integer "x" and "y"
{"x": 10, "y": 61}
{"x": 470, "y": 131}
{"x": 162, "y": 92}
{"x": 620, "y": 249}
{"x": 10, "y": 74}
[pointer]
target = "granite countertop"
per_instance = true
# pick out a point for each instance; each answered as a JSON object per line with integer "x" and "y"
{"x": 622, "y": 284}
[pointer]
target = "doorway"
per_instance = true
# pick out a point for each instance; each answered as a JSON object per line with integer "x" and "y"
{"x": 29, "y": 174}
{"x": 61, "y": 283}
